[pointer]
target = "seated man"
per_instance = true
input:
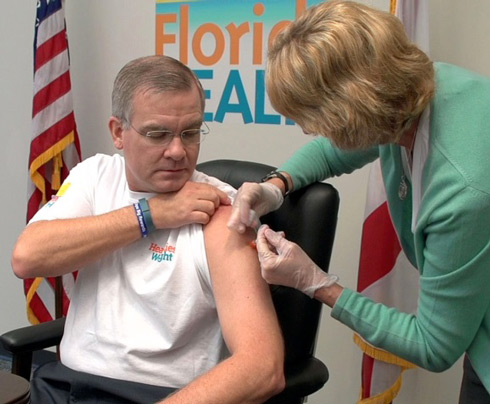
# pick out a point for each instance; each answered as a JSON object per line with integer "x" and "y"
{"x": 157, "y": 292}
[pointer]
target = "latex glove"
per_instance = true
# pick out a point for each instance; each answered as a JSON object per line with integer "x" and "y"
{"x": 253, "y": 200}
{"x": 284, "y": 263}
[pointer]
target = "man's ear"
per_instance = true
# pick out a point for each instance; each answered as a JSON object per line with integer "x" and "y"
{"x": 115, "y": 126}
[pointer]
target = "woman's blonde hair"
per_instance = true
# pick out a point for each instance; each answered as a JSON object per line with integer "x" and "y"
{"x": 349, "y": 72}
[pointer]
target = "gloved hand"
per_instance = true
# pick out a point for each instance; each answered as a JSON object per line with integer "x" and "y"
{"x": 285, "y": 263}
{"x": 253, "y": 201}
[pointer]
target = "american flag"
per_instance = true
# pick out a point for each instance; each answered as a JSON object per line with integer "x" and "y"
{"x": 385, "y": 273}
{"x": 55, "y": 147}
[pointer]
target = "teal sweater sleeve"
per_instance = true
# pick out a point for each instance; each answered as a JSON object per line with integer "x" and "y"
{"x": 319, "y": 160}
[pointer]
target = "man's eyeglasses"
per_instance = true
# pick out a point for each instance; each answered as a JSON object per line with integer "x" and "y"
{"x": 164, "y": 137}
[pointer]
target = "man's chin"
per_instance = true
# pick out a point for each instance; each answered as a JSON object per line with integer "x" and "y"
{"x": 169, "y": 185}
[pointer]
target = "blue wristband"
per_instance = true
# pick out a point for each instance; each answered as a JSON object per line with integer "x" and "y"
{"x": 141, "y": 220}
{"x": 147, "y": 214}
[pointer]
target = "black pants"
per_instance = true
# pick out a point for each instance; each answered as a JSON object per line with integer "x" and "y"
{"x": 472, "y": 389}
{"x": 55, "y": 383}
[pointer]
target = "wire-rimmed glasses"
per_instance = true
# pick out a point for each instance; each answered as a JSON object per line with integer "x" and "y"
{"x": 164, "y": 137}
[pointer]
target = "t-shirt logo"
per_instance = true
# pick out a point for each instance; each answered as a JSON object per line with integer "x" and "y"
{"x": 160, "y": 254}
{"x": 60, "y": 193}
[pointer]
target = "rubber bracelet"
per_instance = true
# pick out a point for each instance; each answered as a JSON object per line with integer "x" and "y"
{"x": 141, "y": 219}
{"x": 147, "y": 214}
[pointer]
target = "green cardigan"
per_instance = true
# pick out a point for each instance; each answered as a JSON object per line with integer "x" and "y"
{"x": 451, "y": 243}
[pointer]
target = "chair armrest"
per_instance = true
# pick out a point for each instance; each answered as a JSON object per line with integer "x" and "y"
{"x": 302, "y": 379}
{"x": 22, "y": 342}
{"x": 34, "y": 337}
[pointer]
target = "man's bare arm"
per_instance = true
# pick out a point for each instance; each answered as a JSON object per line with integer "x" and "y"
{"x": 57, "y": 247}
{"x": 254, "y": 371}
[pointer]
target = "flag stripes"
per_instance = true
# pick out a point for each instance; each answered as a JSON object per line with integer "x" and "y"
{"x": 50, "y": 49}
{"x": 374, "y": 254}
{"x": 48, "y": 95}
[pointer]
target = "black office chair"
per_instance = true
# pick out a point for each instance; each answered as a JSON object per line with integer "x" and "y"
{"x": 309, "y": 218}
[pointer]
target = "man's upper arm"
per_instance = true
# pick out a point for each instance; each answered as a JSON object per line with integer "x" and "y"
{"x": 245, "y": 307}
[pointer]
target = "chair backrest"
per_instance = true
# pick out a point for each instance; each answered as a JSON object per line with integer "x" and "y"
{"x": 309, "y": 218}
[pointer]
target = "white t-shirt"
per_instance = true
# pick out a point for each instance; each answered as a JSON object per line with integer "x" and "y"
{"x": 146, "y": 312}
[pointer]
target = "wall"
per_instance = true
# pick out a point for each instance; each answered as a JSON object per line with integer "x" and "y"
{"x": 103, "y": 35}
